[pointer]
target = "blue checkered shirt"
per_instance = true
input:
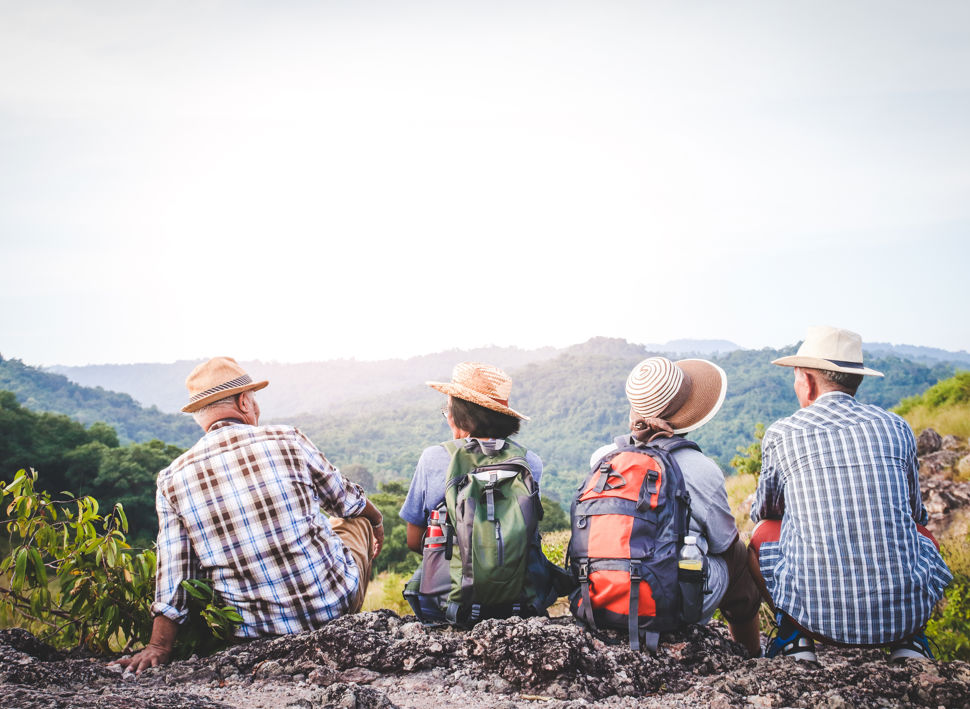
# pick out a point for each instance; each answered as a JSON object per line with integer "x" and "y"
{"x": 850, "y": 564}
{"x": 245, "y": 508}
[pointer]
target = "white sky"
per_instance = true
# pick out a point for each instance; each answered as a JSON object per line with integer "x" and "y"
{"x": 309, "y": 180}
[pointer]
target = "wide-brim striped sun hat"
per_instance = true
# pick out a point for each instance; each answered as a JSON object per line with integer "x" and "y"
{"x": 686, "y": 394}
{"x": 216, "y": 379}
{"x": 480, "y": 384}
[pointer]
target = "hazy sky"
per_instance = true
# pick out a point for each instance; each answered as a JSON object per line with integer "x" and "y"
{"x": 311, "y": 180}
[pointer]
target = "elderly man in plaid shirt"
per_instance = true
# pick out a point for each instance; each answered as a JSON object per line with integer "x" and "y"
{"x": 245, "y": 507}
{"x": 849, "y": 562}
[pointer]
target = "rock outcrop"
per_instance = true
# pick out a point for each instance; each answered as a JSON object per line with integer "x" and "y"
{"x": 943, "y": 482}
{"x": 381, "y": 660}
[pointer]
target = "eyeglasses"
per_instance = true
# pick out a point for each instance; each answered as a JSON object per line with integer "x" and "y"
{"x": 446, "y": 412}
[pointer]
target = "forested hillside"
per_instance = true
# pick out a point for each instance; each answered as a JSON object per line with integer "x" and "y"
{"x": 84, "y": 461}
{"x": 577, "y": 403}
{"x": 44, "y": 391}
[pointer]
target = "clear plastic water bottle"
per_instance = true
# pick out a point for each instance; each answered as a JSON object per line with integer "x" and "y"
{"x": 690, "y": 576}
{"x": 691, "y": 558}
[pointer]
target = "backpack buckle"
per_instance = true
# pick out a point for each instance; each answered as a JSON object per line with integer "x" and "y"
{"x": 635, "y": 572}
{"x": 583, "y": 572}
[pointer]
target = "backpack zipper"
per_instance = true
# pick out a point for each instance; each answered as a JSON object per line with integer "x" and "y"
{"x": 499, "y": 543}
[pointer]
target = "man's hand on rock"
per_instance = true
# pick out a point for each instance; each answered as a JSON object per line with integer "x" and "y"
{"x": 159, "y": 648}
{"x": 151, "y": 656}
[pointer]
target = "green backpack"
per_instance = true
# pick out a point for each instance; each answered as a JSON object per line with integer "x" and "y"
{"x": 486, "y": 561}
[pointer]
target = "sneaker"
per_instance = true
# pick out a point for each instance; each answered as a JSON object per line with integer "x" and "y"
{"x": 915, "y": 647}
{"x": 787, "y": 641}
{"x": 797, "y": 646}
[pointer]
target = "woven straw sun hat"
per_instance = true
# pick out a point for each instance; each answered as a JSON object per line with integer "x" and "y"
{"x": 686, "y": 394}
{"x": 480, "y": 384}
{"x": 216, "y": 379}
{"x": 829, "y": 348}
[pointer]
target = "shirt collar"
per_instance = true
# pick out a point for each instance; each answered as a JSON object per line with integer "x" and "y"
{"x": 223, "y": 423}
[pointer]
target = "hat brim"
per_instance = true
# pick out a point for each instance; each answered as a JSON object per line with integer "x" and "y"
{"x": 708, "y": 388}
{"x": 826, "y": 364}
{"x": 461, "y": 392}
{"x": 194, "y": 406}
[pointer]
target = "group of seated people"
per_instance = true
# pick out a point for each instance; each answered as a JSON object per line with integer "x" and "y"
{"x": 839, "y": 552}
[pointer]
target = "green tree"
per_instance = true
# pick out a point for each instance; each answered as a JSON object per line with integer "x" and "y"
{"x": 748, "y": 459}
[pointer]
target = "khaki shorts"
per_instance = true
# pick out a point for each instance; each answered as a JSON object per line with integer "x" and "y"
{"x": 357, "y": 534}
{"x": 742, "y": 599}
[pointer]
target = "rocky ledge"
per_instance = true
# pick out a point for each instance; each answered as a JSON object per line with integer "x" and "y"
{"x": 381, "y": 660}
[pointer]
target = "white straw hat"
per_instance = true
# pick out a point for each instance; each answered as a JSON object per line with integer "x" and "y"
{"x": 832, "y": 349}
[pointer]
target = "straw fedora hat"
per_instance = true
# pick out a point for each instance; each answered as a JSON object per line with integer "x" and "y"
{"x": 686, "y": 394}
{"x": 829, "y": 348}
{"x": 216, "y": 379}
{"x": 480, "y": 384}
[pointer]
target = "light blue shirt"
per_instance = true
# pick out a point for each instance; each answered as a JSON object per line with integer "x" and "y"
{"x": 427, "y": 489}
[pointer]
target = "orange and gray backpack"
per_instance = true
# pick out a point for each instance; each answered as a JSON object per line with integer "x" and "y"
{"x": 629, "y": 520}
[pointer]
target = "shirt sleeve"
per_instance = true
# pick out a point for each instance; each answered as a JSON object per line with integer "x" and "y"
{"x": 769, "y": 501}
{"x": 912, "y": 481}
{"x": 535, "y": 465}
{"x": 176, "y": 562}
{"x": 416, "y": 509}
{"x": 338, "y": 496}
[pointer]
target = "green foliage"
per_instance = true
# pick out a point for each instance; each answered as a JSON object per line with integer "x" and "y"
{"x": 944, "y": 407}
{"x": 386, "y": 590}
{"x": 554, "y": 517}
{"x": 209, "y": 626}
{"x": 72, "y": 579}
{"x": 948, "y": 392}
{"x": 44, "y": 391}
{"x": 554, "y": 546}
{"x": 577, "y": 403}
{"x": 949, "y": 627}
{"x": 748, "y": 460}
{"x": 395, "y": 557}
{"x": 85, "y": 461}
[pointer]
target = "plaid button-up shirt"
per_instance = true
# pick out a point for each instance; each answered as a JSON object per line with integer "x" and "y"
{"x": 843, "y": 478}
{"x": 245, "y": 508}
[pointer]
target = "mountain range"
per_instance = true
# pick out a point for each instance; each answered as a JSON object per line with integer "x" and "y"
{"x": 379, "y": 415}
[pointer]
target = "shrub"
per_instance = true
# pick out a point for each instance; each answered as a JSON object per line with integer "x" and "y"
{"x": 71, "y": 584}
{"x": 949, "y": 627}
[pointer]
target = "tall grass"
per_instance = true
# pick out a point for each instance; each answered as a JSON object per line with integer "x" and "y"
{"x": 953, "y": 419}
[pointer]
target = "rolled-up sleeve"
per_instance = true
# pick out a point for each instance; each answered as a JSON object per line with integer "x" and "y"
{"x": 338, "y": 496}
{"x": 176, "y": 562}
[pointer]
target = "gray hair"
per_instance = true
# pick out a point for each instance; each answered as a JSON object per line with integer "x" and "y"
{"x": 225, "y": 401}
{"x": 848, "y": 382}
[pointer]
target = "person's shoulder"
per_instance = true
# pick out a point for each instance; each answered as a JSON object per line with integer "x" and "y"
{"x": 434, "y": 456}
{"x": 697, "y": 460}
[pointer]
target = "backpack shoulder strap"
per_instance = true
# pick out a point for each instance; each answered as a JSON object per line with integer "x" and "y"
{"x": 673, "y": 443}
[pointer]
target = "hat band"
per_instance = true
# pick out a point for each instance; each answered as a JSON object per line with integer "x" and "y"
{"x": 848, "y": 365}
{"x": 233, "y": 384}
{"x": 680, "y": 398}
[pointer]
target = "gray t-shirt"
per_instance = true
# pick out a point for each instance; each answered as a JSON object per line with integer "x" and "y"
{"x": 711, "y": 518}
{"x": 427, "y": 489}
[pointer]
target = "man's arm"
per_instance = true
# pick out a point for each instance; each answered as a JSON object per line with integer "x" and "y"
{"x": 912, "y": 482}
{"x": 176, "y": 563}
{"x": 376, "y": 519}
{"x": 769, "y": 500}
